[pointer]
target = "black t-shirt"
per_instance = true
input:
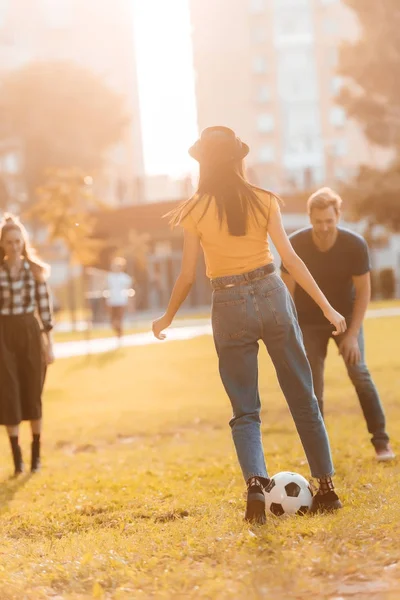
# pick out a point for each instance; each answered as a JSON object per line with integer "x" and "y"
{"x": 332, "y": 270}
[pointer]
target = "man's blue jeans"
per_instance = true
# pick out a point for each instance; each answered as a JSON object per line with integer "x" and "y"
{"x": 257, "y": 307}
{"x": 316, "y": 339}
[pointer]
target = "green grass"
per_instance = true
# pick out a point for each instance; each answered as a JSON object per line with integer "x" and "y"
{"x": 141, "y": 496}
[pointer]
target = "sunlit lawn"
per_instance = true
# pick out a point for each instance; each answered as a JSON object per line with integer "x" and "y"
{"x": 144, "y": 324}
{"x": 141, "y": 496}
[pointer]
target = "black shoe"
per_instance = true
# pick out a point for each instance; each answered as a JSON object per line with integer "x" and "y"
{"x": 35, "y": 462}
{"x": 19, "y": 470}
{"x": 18, "y": 462}
{"x": 322, "y": 503}
{"x": 35, "y": 468}
{"x": 255, "y": 508}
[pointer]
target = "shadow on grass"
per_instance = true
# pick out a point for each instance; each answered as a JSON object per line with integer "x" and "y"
{"x": 9, "y": 487}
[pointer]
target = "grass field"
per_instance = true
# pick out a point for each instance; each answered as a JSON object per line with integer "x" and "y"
{"x": 141, "y": 496}
{"x": 144, "y": 324}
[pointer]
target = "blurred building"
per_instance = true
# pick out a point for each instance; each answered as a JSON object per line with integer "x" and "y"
{"x": 267, "y": 68}
{"x": 155, "y": 280}
{"x": 162, "y": 188}
{"x": 97, "y": 34}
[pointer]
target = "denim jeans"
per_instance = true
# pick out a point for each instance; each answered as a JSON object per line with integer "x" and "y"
{"x": 255, "y": 307}
{"x": 316, "y": 339}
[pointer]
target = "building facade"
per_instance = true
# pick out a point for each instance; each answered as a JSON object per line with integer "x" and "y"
{"x": 268, "y": 69}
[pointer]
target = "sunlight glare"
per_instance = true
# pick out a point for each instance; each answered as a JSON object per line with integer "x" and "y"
{"x": 166, "y": 84}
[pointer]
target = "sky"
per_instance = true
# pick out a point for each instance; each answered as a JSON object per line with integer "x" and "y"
{"x": 166, "y": 84}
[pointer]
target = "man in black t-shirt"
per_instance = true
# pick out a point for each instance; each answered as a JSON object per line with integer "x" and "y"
{"x": 338, "y": 260}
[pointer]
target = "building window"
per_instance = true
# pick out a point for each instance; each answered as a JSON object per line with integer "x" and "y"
{"x": 57, "y": 13}
{"x": 333, "y": 56}
{"x": 293, "y": 59}
{"x": 340, "y": 147}
{"x": 340, "y": 174}
{"x": 257, "y": 6}
{"x": 4, "y": 8}
{"x": 284, "y": 6}
{"x": 266, "y": 154}
{"x": 259, "y": 34}
{"x": 294, "y": 22}
{"x": 263, "y": 94}
{"x": 338, "y": 116}
{"x": 330, "y": 26}
{"x": 301, "y": 121}
{"x": 259, "y": 64}
{"x": 336, "y": 84}
{"x": 265, "y": 123}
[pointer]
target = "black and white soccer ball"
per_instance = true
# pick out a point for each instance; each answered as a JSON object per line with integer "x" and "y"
{"x": 288, "y": 494}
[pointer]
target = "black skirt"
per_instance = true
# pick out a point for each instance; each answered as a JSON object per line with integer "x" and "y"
{"x": 22, "y": 369}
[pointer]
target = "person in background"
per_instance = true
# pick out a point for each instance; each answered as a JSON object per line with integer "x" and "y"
{"x": 23, "y": 357}
{"x": 338, "y": 259}
{"x": 231, "y": 220}
{"x": 119, "y": 286}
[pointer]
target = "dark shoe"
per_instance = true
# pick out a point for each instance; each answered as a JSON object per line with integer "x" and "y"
{"x": 19, "y": 470}
{"x": 384, "y": 453}
{"x": 18, "y": 462}
{"x": 255, "y": 508}
{"x": 35, "y": 468}
{"x": 35, "y": 462}
{"x": 322, "y": 503}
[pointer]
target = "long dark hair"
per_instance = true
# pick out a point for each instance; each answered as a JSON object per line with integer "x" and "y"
{"x": 236, "y": 199}
{"x": 12, "y": 223}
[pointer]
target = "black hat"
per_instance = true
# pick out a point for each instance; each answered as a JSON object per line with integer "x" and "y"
{"x": 218, "y": 143}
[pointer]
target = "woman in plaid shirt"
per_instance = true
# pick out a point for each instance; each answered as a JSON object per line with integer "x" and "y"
{"x": 23, "y": 356}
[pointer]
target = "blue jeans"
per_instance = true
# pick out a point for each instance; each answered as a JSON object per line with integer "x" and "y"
{"x": 316, "y": 339}
{"x": 245, "y": 309}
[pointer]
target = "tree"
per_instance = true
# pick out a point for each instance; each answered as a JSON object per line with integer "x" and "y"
{"x": 66, "y": 206}
{"x": 371, "y": 66}
{"x": 375, "y": 196}
{"x": 134, "y": 246}
{"x": 60, "y": 115}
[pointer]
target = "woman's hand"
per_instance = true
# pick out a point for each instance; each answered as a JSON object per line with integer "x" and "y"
{"x": 159, "y": 325}
{"x": 335, "y": 319}
{"x": 49, "y": 354}
{"x": 47, "y": 349}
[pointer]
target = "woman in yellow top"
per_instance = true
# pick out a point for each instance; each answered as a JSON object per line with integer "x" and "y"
{"x": 231, "y": 220}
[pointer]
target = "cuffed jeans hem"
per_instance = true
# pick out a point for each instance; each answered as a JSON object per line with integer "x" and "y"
{"x": 256, "y": 474}
{"x": 321, "y": 476}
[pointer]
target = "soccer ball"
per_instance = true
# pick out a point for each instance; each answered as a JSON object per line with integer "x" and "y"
{"x": 288, "y": 494}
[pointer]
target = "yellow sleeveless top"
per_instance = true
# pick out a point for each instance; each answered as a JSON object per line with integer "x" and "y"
{"x": 227, "y": 254}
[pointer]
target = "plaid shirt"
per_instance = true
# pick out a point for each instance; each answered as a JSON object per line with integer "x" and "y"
{"x": 25, "y": 295}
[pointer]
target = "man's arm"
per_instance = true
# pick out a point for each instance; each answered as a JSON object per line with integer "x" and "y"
{"x": 289, "y": 281}
{"x": 349, "y": 347}
{"x": 362, "y": 286}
